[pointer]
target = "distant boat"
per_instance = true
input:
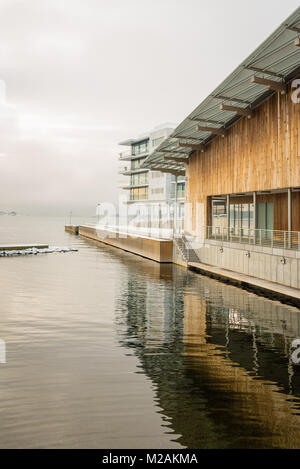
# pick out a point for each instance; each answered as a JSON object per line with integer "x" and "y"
{"x": 11, "y": 213}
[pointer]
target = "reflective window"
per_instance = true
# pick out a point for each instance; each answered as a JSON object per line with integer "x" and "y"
{"x": 139, "y": 148}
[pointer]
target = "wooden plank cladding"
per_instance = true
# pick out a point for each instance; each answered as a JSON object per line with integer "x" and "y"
{"x": 257, "y": 154}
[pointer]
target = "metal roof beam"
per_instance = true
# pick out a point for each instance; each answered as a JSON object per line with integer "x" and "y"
{"x": 273, "y": 51}
{"x": 238, "y": 110}
{"x": 212, "y": 130}
{"x": 293, "y": 28}
{"x": 271, "y": 84}
{"x": 208, "y": 121}
{"x": 171, "y": 171}
{"x": 171, "y": 151}
{"x": 176, "y": 160}
{"x": 193, "y": 147}
{"x": 267, "y": 72}
{"x": 234, "y": 100}
{"x": 190, "y": 138}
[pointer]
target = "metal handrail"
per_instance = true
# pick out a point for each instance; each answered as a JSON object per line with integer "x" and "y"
{"x": 277, "y": 239}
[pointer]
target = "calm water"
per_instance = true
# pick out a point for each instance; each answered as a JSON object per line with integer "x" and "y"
{"x": 108, "y": 350}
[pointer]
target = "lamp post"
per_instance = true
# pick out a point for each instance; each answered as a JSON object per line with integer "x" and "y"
{"x": 98, "y": 213}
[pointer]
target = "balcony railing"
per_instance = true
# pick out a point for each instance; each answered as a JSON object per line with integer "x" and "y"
{"x": 266, "y": 238}
{"x": 128, "y": 156}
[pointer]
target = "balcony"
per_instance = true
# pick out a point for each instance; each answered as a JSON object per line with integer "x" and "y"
{"x": 128, "y": 156}
{"x": 127, "y": 171}
{"x": 134, "y": 186}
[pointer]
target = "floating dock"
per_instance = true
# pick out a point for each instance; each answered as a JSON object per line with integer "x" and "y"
{"x": 19, "y": 247}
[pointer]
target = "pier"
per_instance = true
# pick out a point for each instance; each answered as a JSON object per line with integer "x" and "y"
{"x": 156, "y": 249}
{"x": 72, "y": 229}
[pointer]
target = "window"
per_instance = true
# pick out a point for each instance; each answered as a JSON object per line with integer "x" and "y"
{"x": 241, "y": 216}
{"x": 139, "y": 194}
{"x": 139, "y": 148}
{"x": 181, "y": 190}
{"x": 139, "y": 179}
{"x": 219, "y": 208}
{"x": 136, "y": 164}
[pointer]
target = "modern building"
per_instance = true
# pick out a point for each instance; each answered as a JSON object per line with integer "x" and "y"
{"x": 139, "y": 185}
{"x": 240, "y": 153}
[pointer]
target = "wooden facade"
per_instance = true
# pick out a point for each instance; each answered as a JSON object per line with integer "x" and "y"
{"x": 257, "y": 154}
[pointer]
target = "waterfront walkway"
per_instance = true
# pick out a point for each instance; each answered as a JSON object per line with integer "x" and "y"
{"x": 247, "y": 281}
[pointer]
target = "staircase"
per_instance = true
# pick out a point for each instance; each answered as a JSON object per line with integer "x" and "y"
{"x": 184, "y": 246}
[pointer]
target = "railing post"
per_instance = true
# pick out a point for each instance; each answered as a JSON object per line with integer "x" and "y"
{"x": 272, "y": 239}
{"x": 260, "y": 240}
{"x": 284, "y": 239}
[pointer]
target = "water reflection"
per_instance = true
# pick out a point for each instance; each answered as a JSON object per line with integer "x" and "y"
{"x": 219, "y": 358}
{"x": 214, "y": 362}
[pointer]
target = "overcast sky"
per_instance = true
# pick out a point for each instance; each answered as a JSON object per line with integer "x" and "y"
{"x": 81, "y": 75}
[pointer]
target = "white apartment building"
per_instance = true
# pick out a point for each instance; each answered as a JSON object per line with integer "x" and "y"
{"x": 139, "y": 185}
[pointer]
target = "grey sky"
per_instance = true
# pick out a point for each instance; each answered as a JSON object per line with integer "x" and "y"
{"x": 82, "y": 75}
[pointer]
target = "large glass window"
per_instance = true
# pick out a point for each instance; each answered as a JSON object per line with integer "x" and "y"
{"x": 181, "y": 190}
{"x": 265, "y": 215}
{"x": 139, "y": 148}
{"x": 139, "y": 193}
{"x": 139, "y": 179}
{"x": 241, "y": 217}
{"x": 219, "y": 208}
{"x": 136, "y": 164}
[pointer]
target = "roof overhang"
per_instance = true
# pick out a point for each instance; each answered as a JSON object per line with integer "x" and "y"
{"x": 266, "y": 71}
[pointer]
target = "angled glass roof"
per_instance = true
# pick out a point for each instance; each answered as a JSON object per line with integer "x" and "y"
{"x": 277, "y": 59}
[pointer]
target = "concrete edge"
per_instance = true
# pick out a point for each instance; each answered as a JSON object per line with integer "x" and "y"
{"x": 262, "y": 289}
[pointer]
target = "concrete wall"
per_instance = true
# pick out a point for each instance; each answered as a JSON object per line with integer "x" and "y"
{"x": 154, "y": 249}
{"x": 263, "y": 263}
{"x": 71, "y": 229}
